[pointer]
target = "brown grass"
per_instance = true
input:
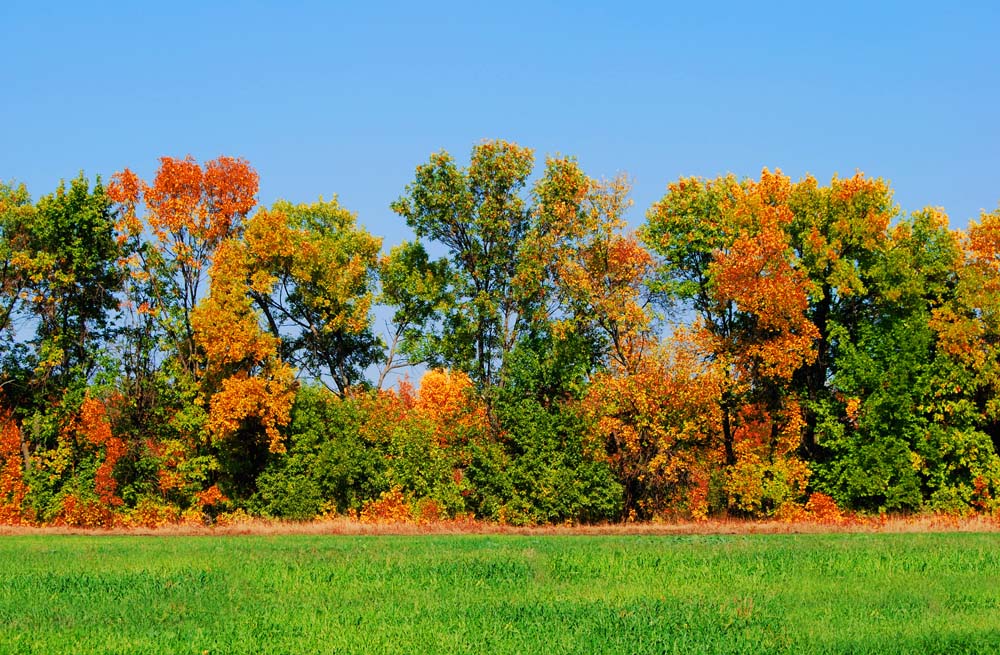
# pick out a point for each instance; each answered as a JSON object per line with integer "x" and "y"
{"x": 346, "y": 526}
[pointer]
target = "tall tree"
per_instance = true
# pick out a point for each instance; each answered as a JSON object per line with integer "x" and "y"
{"x": 726, "y": 253}
{"x": 190, "y": 210}
{"x": 481, "y": 217}
{"x": 74, "y": 278}
{"x": 840, "y": 234}
{"x": 520, "y": 265}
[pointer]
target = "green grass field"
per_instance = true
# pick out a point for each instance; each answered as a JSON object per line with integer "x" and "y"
{"x": 846, "y": 593}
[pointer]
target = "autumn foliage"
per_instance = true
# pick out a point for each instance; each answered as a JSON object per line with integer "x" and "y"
{"x": 13, "y": 488}
{"x": 757, "y": 348}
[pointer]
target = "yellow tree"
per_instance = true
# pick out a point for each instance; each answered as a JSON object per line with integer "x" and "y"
{"x": 247, "y": 385}
{"x": 312, "y": 277}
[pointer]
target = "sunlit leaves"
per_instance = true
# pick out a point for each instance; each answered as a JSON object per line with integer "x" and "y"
{"x": 312, "y": 274}
{"x": 190, "y": 210}
{"x": 264, "y": 399}
{"x": 600, "y": 273}
{"x": 759, "y": 342}
{"x": 243, "y": 375}
{"x": 447, "y": 399}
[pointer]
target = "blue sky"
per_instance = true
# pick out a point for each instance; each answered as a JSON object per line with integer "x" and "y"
{"x": 327, "y": 98}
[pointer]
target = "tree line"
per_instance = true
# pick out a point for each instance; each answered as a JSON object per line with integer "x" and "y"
{"x": 172, "y": 352}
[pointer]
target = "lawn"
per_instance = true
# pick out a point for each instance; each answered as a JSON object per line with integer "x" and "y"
{"x": 840, "y": 593}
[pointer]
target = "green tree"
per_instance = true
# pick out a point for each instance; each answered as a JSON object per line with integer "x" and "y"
{"x": 17, "y": 215}
{"x": 521, "y": 263}
{"x": 417, "y": 288}
{"x": 74, "y": 280}
{"x": 481, "y": 217}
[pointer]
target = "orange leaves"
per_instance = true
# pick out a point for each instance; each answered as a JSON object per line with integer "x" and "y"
{"x": 210, "y": 497}
{"x": 984, "y": 240}
{"x": 390, "y": 507}
{"x": 185, "y": 200}
{"x": 444, "y": 394}
{"x": 727, "y": 248}
{"x": 80, "y": 512}
{"x": 739, "y": 253}
{"x": 446, "y": 403}
{"x": 246, "y": 380}
{"x": 13, "y": 488}
{"x": 821, "y": 508}
{"x": 983, "y": 244}
{"x": 660, "y": 427}
{"x": 266, "y": 400}
{"x": 86, "y": 435}
{"x": 968, "y": 324}
{"x": 190, "y": 209}
{"x": 758, "y": 276}
{"x": 94, "y": 425}
{"x": 126, "y": 190}
{"x": 230, "y": 188}
{"x": 605, "y": 280}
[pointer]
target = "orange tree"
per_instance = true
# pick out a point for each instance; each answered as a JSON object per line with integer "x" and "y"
{"x": 190, "y": 210}
{"x": 725, "y": 253}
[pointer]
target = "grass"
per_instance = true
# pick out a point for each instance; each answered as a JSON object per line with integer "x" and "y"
{"x": 501, "y": 593}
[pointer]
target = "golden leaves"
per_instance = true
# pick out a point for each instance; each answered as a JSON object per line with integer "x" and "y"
{"x": 254, "y": 385}
{"x": 225, "y": 324}
{"x": 448, "y": 400}
{"x": 265, "y": 398}
{"x": 984, "y": 241}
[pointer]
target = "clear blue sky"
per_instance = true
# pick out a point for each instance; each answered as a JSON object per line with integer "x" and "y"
{"x": 347, "y": 98}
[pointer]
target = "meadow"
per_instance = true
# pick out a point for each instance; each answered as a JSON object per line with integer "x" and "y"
{"x": 496, "y": 593}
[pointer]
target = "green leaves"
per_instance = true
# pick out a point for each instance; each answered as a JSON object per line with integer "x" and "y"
{"x": 70, "y": 259}
{"x": 479, "y": 215}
